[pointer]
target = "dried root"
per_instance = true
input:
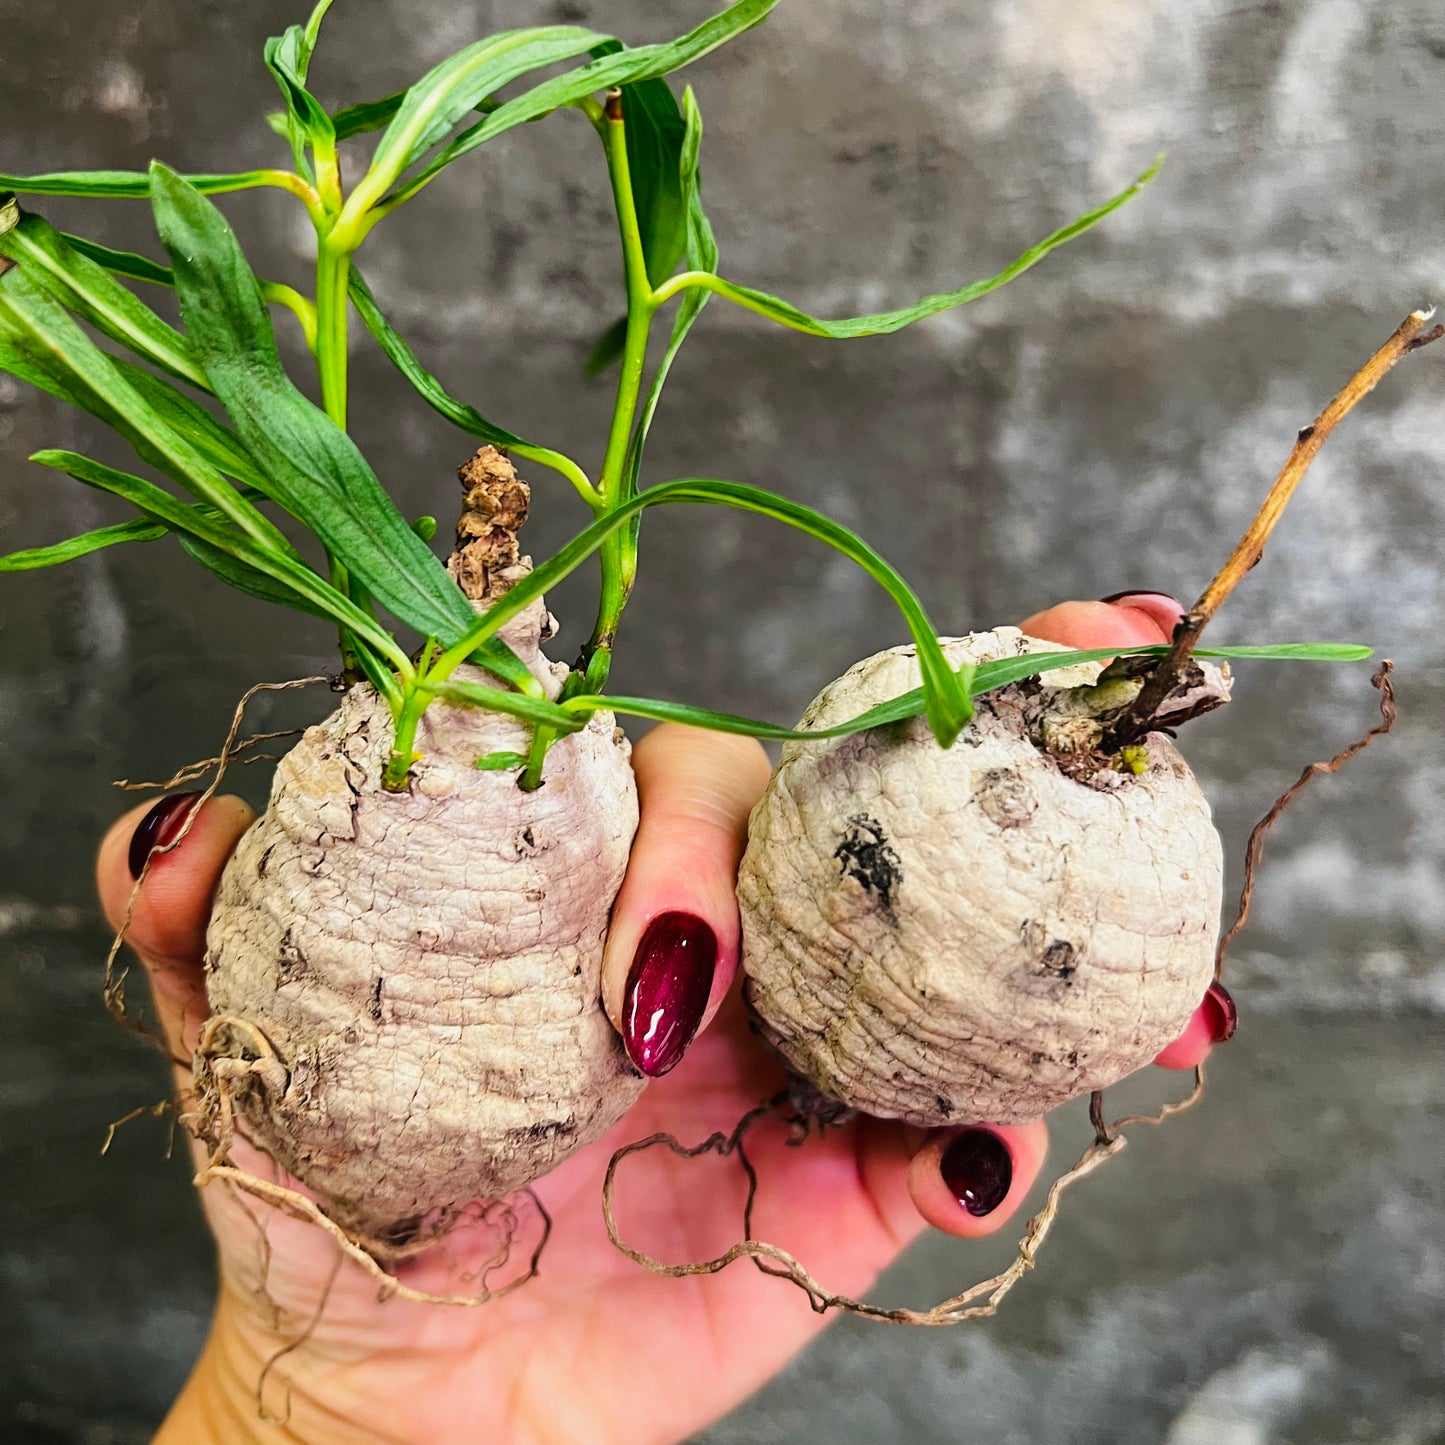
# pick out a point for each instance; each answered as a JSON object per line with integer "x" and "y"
{"x": 797, "y": 1108}
{"x": 113, "y": 988}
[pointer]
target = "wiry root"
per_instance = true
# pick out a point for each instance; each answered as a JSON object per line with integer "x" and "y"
{"x": 113, "y": 989}
{"x": 771, "y": 1259}
{"x": 1254, "y": 851}
{"x": 796, "y": 1108}
{"x": 231, "y": 1053}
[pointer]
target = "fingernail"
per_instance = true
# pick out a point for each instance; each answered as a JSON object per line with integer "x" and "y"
{"x": 1222, "y": 1012}
{"x": 978, "y": 1169}
{"x": 667, "y": 990}
{"x": 160, "y": 826}
{"x": 1145, "y": 594}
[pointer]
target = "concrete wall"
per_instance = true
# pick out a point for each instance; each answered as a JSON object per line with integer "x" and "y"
{"x": 1272, "y": 1267}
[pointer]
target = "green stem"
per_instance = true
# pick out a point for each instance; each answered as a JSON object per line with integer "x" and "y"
{"x": 333, "y": 277}
{"x": 619, "y": 553}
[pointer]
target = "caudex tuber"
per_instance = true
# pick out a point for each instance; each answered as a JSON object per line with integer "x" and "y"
{"x": 404, "y": 958}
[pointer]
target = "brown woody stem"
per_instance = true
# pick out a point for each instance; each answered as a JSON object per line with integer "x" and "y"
{"x": 1409, "y": 336}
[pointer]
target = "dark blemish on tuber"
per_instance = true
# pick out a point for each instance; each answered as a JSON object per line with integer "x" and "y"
{"x": 945, "y": 1106}
{"x": 866, "y": 855}
{"x": 373, "y": 1006}
{"x": 1058, "y": 959}
{"x": 291, "y": 962}
{"x": 1005, "y": 799}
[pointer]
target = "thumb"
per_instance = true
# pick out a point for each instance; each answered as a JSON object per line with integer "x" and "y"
{"x": 672, "y": 949}
{"x": 165, "y": 916}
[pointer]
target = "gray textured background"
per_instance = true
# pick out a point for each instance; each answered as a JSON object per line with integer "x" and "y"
{"x": 1271, "y": 1268}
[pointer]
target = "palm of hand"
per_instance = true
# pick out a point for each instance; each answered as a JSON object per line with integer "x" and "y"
{"x": 593, "y": 1348}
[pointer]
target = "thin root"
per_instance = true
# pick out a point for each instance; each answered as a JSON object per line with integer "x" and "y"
{"x": 1254, "y": 851}
{"x": 1108, "y": 1141}
{"x": 113, "y": 989}
{"x": 192, "y": 771}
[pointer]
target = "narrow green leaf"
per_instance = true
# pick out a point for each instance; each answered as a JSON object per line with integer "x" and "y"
{"x": 462, "y": 416}
{"x": 437, "y": 102}
{"x": 988, "y": 677}
{"x": 313, "y": 468}
{"x": 702, "y": 255}
{"x": 32, "y": 558}
{"x": 530, "y": 709}
{"x": 135, "y": 184}
{"x": 141, "y": 530}
{"x": 278, "y": 577}
{"x": 373, "y": 115}
{"x": 607, "y": 349}
{"x": 248, "y": 579}
{"x": 947, "y": 701}
{"x": 88, "y": 289}
{"x": 287, "y": 57}
{"x": 431, "y": 390}
{"x": 883, "y": 322}
{"x": 122, "y": 263}
{"x": 628, "y": 67}
{"x": 42, "y": 343}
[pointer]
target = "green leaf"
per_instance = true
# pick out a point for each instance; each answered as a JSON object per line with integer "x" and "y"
{"x": 133, "y": 184}
{"x": 88, "y": 288}
{"x": 287, "y": 57}
{"x": 313, "y": 468}
{"x": 88, "y": 542}
{"x": 122, "y": 263}
{"x": 946, "y": 701}
{"x": 248, "y": 579}
{"x": 466, "y": 418}
{"x": 627, "y": 67}
{"x": 437, "y": 102}
{"x": 41, "y": 343}
{"x": 607, "y": 349}
{"x": 373, "y": 115}
{"x": 883, "y": 322}
{"x": 702, "y": 255}
{"x": 530, "y": 709}
{"x": 431, "y": 390}
{"x": 142, "y": 530}
{"x": 988, "y": 677}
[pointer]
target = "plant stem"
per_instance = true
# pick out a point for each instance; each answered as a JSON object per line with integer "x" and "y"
{"x": 619, "y": 552}
{"x": 333, "y": 275}
{"x": 1162, "y": 680}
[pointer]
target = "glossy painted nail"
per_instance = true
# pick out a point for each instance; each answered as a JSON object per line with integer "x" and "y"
{"x": 1222, "y": 1012}
{"x": 162, "y": 825}
{"x": 1142, "y": 593}
{"x": 978, "y": 1169}
{"x": 667, "y": 990}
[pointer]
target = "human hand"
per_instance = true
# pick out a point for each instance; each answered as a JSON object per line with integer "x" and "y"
{"x": 594, "y": 1348}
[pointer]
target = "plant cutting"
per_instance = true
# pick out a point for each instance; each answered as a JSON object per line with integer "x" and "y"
{"x": 404, "y": 958}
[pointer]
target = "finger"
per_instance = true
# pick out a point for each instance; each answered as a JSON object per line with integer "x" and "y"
{"x": 167, "y": 927}
{"x": 1212, "y": 1023}
{"x": 672, "y": 948}
{"x": 971, "y": 1181}
{"x": 1128, "y": 620}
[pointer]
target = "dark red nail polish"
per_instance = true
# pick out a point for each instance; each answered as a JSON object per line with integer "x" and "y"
{"x": 1145, "y": 592}
{"x": 667, "y": 990}
{"x": 978, "y": 1169}
{"x": 160, "y": 826}
{"x": 1222, "y": 1012}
